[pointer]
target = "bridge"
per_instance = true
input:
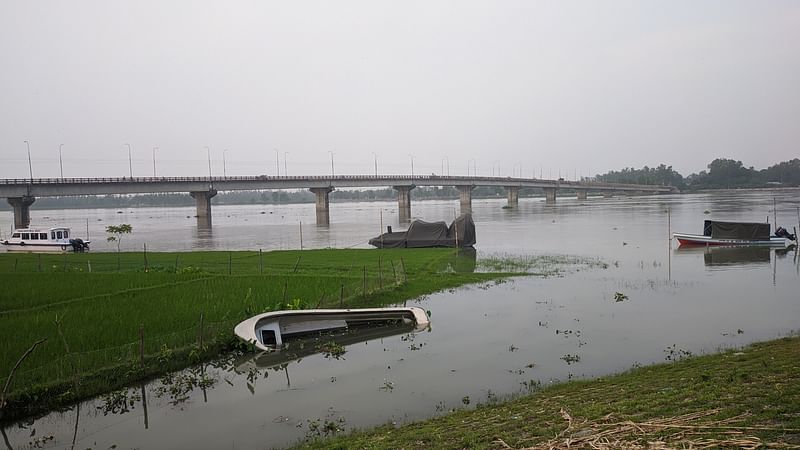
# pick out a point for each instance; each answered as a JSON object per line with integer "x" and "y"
{"x": 22, "y": 193}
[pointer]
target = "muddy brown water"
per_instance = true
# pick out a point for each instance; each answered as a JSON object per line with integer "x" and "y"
{"x": 487, "y": 342}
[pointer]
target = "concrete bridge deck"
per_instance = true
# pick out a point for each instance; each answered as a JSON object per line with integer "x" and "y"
{"x": 21, "y": 193}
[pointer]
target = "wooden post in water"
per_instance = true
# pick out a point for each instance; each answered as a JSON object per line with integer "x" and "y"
{"x": 260, "y": 262}
{"x": 669, "y": 244}
{"x": 141, "y": 344}
{"x": 775, "y": 212}
{"x": 301, "y": 235}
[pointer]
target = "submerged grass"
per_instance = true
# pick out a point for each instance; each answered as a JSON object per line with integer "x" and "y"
{"x": 745, "y": 398}
{"x": 108, "y": 318}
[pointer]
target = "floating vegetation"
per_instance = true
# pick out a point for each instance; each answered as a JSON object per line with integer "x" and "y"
{"x": 620, "y": 297}
{"x": 332, "y": 349}
{"x": 543, "y": 265}
{"x": 571, "y": 359}
{"x": 388, "y": 385}
{"x": 325, "y": 427}
{"x": 676, "y": 354}
{"x": 119, "y": 402}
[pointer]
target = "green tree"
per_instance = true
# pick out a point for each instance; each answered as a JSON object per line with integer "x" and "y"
{"x": 116, "y": 232}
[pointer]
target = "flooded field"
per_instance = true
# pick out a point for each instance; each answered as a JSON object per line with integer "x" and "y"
{"x": 626, "y": 297}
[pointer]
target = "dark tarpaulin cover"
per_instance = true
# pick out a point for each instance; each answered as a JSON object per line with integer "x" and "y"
{"x": 421, "y": 234}
{"x": 736, "y": 230}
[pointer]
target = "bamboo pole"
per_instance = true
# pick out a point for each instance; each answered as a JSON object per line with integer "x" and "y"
{"x": 14, "y": 369}
{"x": 341, "y": 296}
{"x": 365, "y": 282}
{"x": 380, "y": 273}
{"x": 145, "y": 257}
{"x": 201, "y": 332}
{"x": 260, "y": 262}
{"x": 141, "y": 344}
{"x": 230, "y": 262}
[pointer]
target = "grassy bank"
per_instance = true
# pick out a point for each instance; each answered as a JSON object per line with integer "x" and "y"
{"x": 737, "y": 399}
{"x": 106, "y": 320}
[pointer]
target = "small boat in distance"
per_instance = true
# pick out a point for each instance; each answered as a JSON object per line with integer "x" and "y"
{"x": 737, "y": 233}
{"x": 268, "y": 331}
{"x": 35, "y": 240}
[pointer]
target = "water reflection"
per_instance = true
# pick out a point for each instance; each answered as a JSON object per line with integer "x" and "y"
{"x": 732, "y": 257}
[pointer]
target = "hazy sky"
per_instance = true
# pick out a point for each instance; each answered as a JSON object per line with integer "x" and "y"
{"x": 580, "y": 87}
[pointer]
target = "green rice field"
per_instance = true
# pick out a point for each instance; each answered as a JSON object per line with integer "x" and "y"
{"x": 109, "y": 319}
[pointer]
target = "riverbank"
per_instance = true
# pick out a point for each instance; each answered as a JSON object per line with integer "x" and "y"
{"x": 105, "y": 320}
{"x": 742, "y": 398}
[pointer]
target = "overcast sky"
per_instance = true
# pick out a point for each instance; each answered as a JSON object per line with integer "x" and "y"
{"x": 566, "y": 87}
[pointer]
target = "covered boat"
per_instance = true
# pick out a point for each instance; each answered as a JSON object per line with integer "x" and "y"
{"x": 421, "y": 234}
{"x": 736, "y": 233}
{"x": 57, "y": 239}
{"x": 268, "y": 331}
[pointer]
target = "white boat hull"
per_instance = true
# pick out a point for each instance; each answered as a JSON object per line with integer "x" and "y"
{"x": 699, "y": 239}
{"x": 266, "y": 331}
{"x": 37, "y": 248}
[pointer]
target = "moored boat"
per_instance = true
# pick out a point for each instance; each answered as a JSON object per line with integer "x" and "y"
{"x": 268, "y": 331}
{"x": 48, "y": 240}
{"x": 737, "y": 233}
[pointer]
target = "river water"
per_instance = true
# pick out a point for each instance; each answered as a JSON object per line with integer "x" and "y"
{"x": 647, "y": 302}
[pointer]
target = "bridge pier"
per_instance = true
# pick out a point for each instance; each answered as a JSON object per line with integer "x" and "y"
{"x": 22, "y": 210}
{"x": 465, "y": 198}
{"x": 404, "y": 201}
{"x": 202, "y": 201}
{"x": 550, "y": 196}
{"x": 512, "y": 194}
{"x": 323, "y": 205}
{"x": 582, "y": 194}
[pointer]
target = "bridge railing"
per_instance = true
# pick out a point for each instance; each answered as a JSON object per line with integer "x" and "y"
{"x": 389, "y": 178}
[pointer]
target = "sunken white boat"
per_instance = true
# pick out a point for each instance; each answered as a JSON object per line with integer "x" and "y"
{"x": 44, "y": 240}
{"x": 270, "y": 330}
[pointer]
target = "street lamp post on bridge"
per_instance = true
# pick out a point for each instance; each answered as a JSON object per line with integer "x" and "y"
{"x": 130, "y": 161}
{"x": 30, "y": 165}
{"x": 60, "y": 161}
{"x": 154, "y": 161}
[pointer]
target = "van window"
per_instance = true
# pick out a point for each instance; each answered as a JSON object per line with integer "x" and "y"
{"x": 43, "y": 236}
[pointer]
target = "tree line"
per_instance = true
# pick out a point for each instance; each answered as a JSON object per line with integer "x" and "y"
{"x": 722, "y": 173}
